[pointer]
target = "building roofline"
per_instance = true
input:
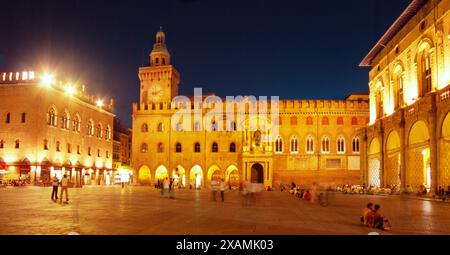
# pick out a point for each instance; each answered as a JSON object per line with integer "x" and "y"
{"x": 401, "y": 21}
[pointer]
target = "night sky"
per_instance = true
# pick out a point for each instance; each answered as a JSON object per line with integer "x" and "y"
{"x": 291, "y": 49}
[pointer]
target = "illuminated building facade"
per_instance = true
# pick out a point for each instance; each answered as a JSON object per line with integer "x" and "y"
{"x": 122, "y": 151}
{"x": 49, "y": 128}
{"x": 317, "y": 139}
{"x": 408, "y": 140}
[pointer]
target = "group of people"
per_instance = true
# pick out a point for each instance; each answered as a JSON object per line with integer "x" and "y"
{"x": 168, "y": 187}
{"x": 64, "y": 183}
{"x": 372, "y": 218}
{"x": 216, "y": 186}
{"x": 305, "y": 194}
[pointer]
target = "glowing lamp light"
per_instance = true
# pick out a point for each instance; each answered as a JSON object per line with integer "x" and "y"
{"x": 100, "y": 103}
{"x": 70, "y": 90}
{"x": 47, "y": 79}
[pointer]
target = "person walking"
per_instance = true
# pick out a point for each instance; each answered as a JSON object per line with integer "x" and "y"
{"x": 55, "y": 184}
{"x": 222, "y": 186}
{"x": 64, "y": 188}
{"x": 166, "y": 187}
{"x": 214, "y": 189}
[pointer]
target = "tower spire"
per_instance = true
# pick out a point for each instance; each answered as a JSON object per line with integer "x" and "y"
{"x": 160, "y": 55}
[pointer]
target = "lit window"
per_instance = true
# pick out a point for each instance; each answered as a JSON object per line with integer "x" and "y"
{"x": 160, "y": 148}
{"x": 279, "y": 145}
{"x": 144, "y": 128}
{"x": 325, "y": 144}
{"x": 160, "y": 127}
{"x": 294, "y": 145}
{"x": 340, "y": 145}
{"x": 144, "y": 148}
{"x": 309, "y": 145}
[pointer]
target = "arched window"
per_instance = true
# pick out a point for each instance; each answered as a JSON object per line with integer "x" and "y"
{"x": 309, "y": 121}
{"x": 340, "y": 145}
{"x": 294, "y": 145}
{"x": 425, "y": 83}
{"x": 24, "y": 117}
{"x": 178, "y": 148}
{"x": 309, "y": 144}
{"x": 144, "y": 148}
{"x": 160, "y": 148}
{"x": 354, "y": 121}
{"x": 340, "y": 121}
{"x": 99, "y": 130}
{"x": 279, "y": 145}
{"x": 65, "y": 122}
{"x": 17, "y": 146}
{"x": 160, "y": 127}
{"x": 215, "y": 147}
{"x": 197, "y": 126}
{"x": 355, "y": 145}
{"x": 51, "y": 117}
{"x": 325, "y": 121}
{"x": 90, "y": 127}
{"x": 8, "y": 118}
{"x": 77, "y": 123}
{"x": 144, "y": 128}
{"x": 232, "y": 147}
{"x": 325, "y": 144}
{"x": 58, "y": 146}
{"x": 398, "y": 78}
{"x": 108, "y": 133}
{"x": 197, "y": 147}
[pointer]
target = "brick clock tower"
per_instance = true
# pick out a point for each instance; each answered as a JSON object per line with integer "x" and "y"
{"x": 160, "y": 80}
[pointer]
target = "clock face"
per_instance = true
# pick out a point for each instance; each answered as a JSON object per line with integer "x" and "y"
{"x": 156, "y": 93}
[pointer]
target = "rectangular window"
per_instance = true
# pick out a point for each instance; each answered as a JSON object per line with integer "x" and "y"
{"x": 334, "y": 163}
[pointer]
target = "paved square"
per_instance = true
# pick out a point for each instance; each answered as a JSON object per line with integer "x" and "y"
{"x": 140, "y": 210}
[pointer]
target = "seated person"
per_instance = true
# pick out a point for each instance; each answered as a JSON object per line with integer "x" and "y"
{"x": 366, "y": 212}
{"x": 376, "y": 220}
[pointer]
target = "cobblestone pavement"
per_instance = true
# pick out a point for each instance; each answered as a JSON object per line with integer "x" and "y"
{"x": 140, "y": 210}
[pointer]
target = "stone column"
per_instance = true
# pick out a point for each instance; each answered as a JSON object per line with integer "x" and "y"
{"x": 433, "y": 147}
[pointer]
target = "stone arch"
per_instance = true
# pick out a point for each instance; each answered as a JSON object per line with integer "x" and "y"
{"x": 161, "y": 173}
{"x": 214, "y": 173}
{"x": 444, "y": 150}
{"x": 374, "y": 171}
{"x": 418, "y": 156}
{"x": 196, "y": 176}
{"x": 232, "y": 177}
{"x": 393, "y": 163}
{"x": 144, "y": 175}
{"x": 257, "y": 173}
{"x": 179, "y": 174}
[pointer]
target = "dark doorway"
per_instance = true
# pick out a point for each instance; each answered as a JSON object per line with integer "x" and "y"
{"x": 257, "y": 173}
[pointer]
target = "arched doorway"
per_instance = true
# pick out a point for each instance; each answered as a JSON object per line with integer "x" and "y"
{"x": 418, "y": 163}
{"x": 257, "y": 173}
{"x": 144, "y": 175}
{"x": 196, "y": 177}
{"x": 214, "y": 173}
{"x": 179, "y": 174}
{"x": 444, "y": 177}
{"x": 374, "y": 171}
{"x": 161, "y": 173}
{"x": 392, "y": 175}
{"x": 232, "y": 176}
